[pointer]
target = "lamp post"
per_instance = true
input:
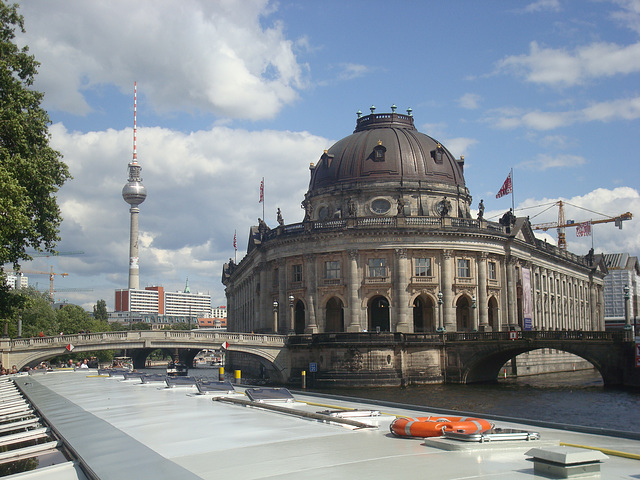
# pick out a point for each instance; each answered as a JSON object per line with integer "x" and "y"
{"x": 440, "y": 328}
{"x": 627, "y": 317}
{"x": 474, "y": 306}
{"x": 291, "y": 319}
{"x": 275, "y": 316}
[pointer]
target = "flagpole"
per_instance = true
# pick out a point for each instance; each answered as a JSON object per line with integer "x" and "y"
{"x": 235, "y": 247}
{"x": 263, "y": 200}
{"x": 513, "y": 203}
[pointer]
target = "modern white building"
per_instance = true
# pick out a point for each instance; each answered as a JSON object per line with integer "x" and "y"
{"x": 157, "y": 306}
{"x": 13, "y": 279}
{"x": 624, "y": 271}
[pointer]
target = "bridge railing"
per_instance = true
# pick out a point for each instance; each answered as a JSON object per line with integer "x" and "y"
{"x": 124, "y": 336}
{"x": 435, "y": 338}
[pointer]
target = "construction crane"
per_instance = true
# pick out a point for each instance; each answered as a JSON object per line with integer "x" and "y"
{"x": 51, "y": 274}
{"x": 561, "y": 224}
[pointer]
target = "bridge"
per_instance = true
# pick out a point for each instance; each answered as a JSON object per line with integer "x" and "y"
{"x": 463, "y": 357}
{"x": 139, "y": 344}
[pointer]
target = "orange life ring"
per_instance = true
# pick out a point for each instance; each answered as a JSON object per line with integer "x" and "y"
{"x": 434, "y": 426}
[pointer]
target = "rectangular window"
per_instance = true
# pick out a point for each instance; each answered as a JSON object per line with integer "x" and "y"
{"x": 332, "y": 269}
{"x": 377, "y": 267}
{"x": 464, "y": 268}
{"x": 493, "y": 271}
{"x": 423, "y": 267}
{"x": 296, "y": 273}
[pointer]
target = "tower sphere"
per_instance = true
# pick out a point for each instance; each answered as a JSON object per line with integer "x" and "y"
{"x": 134, "y": 192}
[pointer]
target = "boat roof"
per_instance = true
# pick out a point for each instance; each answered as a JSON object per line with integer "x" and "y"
{"x": 121, "y": 429}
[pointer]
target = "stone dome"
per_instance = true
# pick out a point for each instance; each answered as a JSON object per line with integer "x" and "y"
{"x": 386, "y": 147}
{"x": 384, "y": 162}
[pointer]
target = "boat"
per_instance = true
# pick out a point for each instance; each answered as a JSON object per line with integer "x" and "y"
{"x": 435, "y": 426}
{"x": 111, "y": 428}
{"x": 177, "y": 369}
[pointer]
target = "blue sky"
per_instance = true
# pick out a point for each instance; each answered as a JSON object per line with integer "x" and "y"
{"x": 233, "y": 91}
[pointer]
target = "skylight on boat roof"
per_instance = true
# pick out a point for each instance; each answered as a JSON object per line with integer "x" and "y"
{"x": 269, "y": 395}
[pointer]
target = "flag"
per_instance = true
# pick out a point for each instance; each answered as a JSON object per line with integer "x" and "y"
{"x": 70, "y": 347}
{"x": 583, "y": 229}
{"x": 225, "y": 345}
{"x": 261, "y": 191}
{"x": 235, "y": 241}
{"x": 507, "y": 187}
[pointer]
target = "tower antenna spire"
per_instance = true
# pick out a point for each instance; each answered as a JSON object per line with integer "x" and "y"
{"x": 134, "y": 193}
{"x": 135, "y": 120}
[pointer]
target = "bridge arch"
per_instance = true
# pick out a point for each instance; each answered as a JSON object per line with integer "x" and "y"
{"x": 485, "y": 366}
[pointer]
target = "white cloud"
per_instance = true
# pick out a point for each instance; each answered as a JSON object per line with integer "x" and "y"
{"x": 629, "y": 15}
{"x": 559, "y": 67}
{"x": 460, "y": 145}
{"x": 350, "y": 71}
{"x": 201, "y": 187}
{"x": 621, "y": 109}
{"x": 212, "y": 56}
{"x": 469, "y": 101}
{"x": 542, "y": 5}
{"x": 543, "y": 162}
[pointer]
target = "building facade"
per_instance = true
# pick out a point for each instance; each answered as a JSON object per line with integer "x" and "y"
{"x": 388, "y": 243}
{"x": 156, "y": 306}
{"x": 621, "y": 289}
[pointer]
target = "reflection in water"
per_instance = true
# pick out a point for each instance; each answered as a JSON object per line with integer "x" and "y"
{"x": 574, "y": 398}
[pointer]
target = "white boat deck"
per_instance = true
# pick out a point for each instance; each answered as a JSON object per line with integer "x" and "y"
{"x": 123, "y": 430}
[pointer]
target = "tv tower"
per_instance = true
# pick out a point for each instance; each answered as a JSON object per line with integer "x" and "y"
{"x": 134, "y": 193}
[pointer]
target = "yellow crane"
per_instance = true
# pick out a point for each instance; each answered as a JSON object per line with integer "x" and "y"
{"x": 51, "y": 274}
{"x": 561, "y": 224}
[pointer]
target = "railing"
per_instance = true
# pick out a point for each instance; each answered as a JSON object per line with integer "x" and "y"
{"x": 440, "y": 338}
{"x": 124, "y": 336}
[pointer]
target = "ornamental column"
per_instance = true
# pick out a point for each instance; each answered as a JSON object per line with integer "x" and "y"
{"x": 310, "y": 264}
{"x": 449, "y": 314}
{"x": 282, "y": 294}
{"x": 402, "y": 295}
{"x": 354, "y": 285}
{"x": 483, "y": 305}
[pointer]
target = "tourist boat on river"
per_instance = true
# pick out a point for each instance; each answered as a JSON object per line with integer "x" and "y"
{"x": 177, "y": 369}
{"x": 111, "y": 428}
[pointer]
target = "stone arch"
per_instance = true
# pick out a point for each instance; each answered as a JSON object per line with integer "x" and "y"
{"x": 424, "y": 314}
{"x": 299, "y": 317}
{"x": 378, "y": 316}
{"x": 334, "y": 315}
{"x": 464, "y": 314}
{"x": 492, "y": 308}
{"x": 486, "y": 367}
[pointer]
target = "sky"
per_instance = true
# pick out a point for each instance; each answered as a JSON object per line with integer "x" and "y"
{"x": 234, "y": 91}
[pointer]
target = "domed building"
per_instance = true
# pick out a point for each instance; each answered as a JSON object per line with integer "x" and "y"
{"x": 388, "y": 244}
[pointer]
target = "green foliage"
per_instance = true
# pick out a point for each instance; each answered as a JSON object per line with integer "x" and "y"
{"x": 179, "y": 326}
{"x": 100, "y": 311}
{"x": 37, "y": 314}
{"x": 31, "y": 172}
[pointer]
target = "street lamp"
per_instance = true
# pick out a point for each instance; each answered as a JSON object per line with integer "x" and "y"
{"x": 474, "y": 305}
{"x": 291, "y": 320}
{"x": 275, "y": 316}
{"x": 440, "y": 328}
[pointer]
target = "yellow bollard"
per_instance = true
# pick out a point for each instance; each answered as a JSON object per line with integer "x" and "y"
{"x": 221, "y": 374}
{"x": 238, "y": 377}
{"x": 304, "y": 379}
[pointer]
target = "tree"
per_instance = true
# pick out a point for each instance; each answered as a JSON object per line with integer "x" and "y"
{"x": 100, "y": 311}
{"x": 31, "y": 172}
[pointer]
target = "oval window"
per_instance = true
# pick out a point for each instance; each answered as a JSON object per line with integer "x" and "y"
{"x": 323, "y": 213}
{"x": 380, "y": 206}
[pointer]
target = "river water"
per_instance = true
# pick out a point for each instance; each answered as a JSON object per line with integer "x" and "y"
{"x": 573, "y": 398}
